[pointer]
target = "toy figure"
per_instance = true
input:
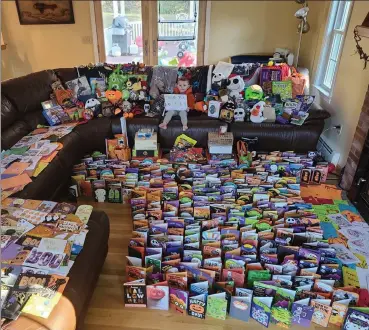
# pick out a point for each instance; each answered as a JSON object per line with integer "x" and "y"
{"x": 236, "y": 85}
{"x": 183, "y": 87}
{"x": 116, "y": 79}
{"x": 254, "y": 93}
{"x": 256, "y": 113}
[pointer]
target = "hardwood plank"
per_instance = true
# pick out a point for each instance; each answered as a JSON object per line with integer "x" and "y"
{"x": 106, "y": 309}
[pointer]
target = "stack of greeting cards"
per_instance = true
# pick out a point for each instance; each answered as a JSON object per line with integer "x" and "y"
{"x": 211, "y": 241}
{"x": 40, "y": 240}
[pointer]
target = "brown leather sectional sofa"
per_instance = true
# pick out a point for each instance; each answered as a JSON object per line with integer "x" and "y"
{"x": 21, "y": 112}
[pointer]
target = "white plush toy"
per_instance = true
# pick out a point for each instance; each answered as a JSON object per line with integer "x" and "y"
{"x": 256, "y": 113}
{"x": 239, "y": 114}
{"x": 100, "y": 195}
{"x": 235, "y": 86}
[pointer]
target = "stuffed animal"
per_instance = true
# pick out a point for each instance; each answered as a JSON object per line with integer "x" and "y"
{"x": 116, "y": 79}
{"x": 239, "y": 115}
{"x": 157, "y": 88}
{"x": 227, "y": 111}
{"x": 235, "y": 86}
{"x": 94, "y": 105}
{"x": 127, "y": 106}
{"x": 218, "y": 81}
{"x": 256, "y": 113}
{"x": 113, "y": 96}
{"x": 254, "y": 93}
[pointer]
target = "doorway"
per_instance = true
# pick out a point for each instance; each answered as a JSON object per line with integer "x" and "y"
{"x": 153, "y": 32}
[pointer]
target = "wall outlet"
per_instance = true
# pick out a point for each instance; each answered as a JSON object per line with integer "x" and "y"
{"x": 87, "y": 40}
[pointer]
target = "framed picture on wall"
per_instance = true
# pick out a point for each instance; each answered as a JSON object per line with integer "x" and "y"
{"x": 45, "y": 12}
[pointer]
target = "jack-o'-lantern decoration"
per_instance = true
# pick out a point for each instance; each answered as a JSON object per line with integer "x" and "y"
{"x": 197, "y": 308}
{"x": 113, "y": 96}
{"x": 155, "y": 293}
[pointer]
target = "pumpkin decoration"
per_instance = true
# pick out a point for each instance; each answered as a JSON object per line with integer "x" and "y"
{"x": 113, "y": 96}
{"x": 197, "y": 308}
{"x": 155, "y": 293}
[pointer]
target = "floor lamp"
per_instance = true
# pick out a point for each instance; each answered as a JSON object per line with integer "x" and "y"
{"x": 303, "y": 26}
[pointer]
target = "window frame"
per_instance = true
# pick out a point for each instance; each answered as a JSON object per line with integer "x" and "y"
{"x": 149, "y": 11}
{"x": 331, "y": 32}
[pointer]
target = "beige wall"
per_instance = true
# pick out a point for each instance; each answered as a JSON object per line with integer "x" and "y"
{"x": 351, "y": 81}
{"x": 251, "y": 27}
{"x": 32, "y": 48}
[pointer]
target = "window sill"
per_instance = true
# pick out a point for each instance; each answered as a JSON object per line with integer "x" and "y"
{"x": 327, "y": 96}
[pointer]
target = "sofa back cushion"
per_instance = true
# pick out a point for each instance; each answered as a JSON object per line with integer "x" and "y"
{"x": 21, "y": 109}
{"x": 27, "y": 92}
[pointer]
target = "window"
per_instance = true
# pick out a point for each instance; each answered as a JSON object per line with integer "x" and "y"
{"x": 153, "y": 32}
{"x": 334, "y": 39}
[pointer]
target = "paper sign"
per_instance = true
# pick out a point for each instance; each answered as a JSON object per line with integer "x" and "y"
{"x": 176, "y": 102}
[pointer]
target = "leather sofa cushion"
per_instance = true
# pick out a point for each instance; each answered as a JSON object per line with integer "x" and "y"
{"x": 199, "y": 125}
{"x": 66, "y": 74}
{"x": 68, "y": 313}
{"x": 27, "y": 92}
{"x": 44, "y": 185}
{"x": 9, "y": 112}
{"x": 12, "y": 134}
{"x": 93, "y": 134}
{"x": 317, "y": 114}
{"x": 280, "y": 137}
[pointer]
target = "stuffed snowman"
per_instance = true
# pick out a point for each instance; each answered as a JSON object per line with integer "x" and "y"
{"x": 256, "y": 113}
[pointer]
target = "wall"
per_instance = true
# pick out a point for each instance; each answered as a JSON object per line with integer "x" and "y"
{"x": 33, "y": 48}
{"x": 351, "y": 81}
{"x": 251, "y": 27}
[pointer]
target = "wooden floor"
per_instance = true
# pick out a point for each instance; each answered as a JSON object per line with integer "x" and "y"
{"x": 107, "y": 309}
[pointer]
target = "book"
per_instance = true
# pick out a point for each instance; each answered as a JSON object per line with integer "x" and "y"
{"x": 157, "y": 296}
{"x": 217, "y": 306}
{"x": 240, "y": 308}
{"x": 322, "y": 312}
{"x": 261, "y": 310}
{"x": 135, "y": 293}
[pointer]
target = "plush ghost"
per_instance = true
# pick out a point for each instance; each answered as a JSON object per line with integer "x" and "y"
{"x": 256, "y": 113}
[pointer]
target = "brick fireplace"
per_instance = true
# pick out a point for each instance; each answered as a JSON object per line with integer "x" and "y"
{"x": 360, "y": 137}
{"x": 356, "y": 175}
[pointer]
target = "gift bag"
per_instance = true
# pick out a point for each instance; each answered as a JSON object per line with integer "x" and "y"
{"x": 298, "y": 83}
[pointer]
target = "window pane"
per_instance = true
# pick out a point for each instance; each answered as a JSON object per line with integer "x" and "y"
{"x": 342, "y": 15}
{"x": 176, "y": 10}
{"x": 122, "y": 22}
{"x": 177, "y": 20}
{"x": 329, "y": 74}
{"x": 172, "y": 49}
{"x": 336, "y": 46}
{"x": 178, "y": 53}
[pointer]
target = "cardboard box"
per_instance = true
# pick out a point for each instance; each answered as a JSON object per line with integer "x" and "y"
{"x": 143, "y": 143}
{"x": 145, "y": 153}
{"x": 220, "y": 143}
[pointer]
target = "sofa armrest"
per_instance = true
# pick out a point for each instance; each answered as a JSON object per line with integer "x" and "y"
{"x": 317, "y": 114}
